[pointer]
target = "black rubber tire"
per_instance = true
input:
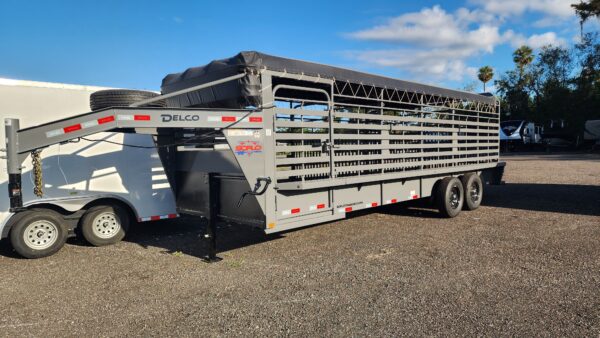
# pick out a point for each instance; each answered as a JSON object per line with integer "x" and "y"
{"x": 121, "y": 98}
{"x": 86, "y": 224}
{"x": 17, "y": 233}
{"x": 447, "y": 187}
{"x": 468, "y": 180}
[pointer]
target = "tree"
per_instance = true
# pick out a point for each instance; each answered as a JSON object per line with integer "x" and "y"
{"x": 515, "y": 86}
{"x": 486, "y": 73}
{"x": 586, "y": 10}
{"x": 523, "y": 57}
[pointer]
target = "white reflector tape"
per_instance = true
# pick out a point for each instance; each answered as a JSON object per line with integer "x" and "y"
{"x": 55, "y": 132}
{"x": 316, "y": 207}
{"x": 125, "y": 117}
{"x": 346, "y": 209}
{"x": 157, "y": 217}
{"x": 290, "y": 211}
{"x": 253, "y": 119}
{"x": 79, "y": 126}
{"x": 89, "y": 124}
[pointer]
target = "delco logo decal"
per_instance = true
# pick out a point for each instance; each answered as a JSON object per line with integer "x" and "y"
{"x": 248, "y": 148}
{"x": 177, "y": 118}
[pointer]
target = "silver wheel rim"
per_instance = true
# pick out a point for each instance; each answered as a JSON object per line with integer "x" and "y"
{"x": 106, "y": 225}
{"x": 40, "y": 235}
{"x": 474, "y": 192}
{"x": 454, "y": 197}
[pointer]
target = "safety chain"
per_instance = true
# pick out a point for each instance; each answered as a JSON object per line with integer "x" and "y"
{"x": 37, "y": 173}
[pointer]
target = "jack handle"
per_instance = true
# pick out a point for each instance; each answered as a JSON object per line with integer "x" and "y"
{"x": 255, "y": 191}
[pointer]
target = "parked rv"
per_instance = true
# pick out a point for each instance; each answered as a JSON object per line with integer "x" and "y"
{"x": 519, "y": 134}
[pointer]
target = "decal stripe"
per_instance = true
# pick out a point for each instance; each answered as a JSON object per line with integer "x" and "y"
{"x": 141, "y": 117}
{"x": 157, "y": 217}
{"x": 72, "y": 128}
{"x": 106, "y": 119}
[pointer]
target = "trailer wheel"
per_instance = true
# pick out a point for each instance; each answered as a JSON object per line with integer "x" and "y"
{"x": 473, "y": 188}
{"x": 121, "y": 98}
{"x": 104, "y": 224}
{"x": 450, "y": 197}
{"x": 39, "y": 233}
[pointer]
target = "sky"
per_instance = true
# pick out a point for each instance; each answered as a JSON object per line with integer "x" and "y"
{"x": 134, "y": 44}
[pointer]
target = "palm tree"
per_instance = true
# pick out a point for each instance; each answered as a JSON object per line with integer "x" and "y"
{"x": 585, "y": 10}
{"x": 522, "y": 57}
{"x": 486, "y": 73}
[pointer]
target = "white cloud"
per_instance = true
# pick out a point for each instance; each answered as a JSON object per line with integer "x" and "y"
{"x": 434, "y": 27}
{"x": 554, "y": 8}
{"x": 538, "y": 40}
{"x": 435, "y": 43}
{"x": 437, "y": 64}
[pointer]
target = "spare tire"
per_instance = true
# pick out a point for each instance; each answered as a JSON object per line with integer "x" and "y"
{"x": 122, "y": 98}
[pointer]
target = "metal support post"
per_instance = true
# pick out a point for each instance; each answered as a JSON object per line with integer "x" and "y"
{"x": 211, "y": 229}
{"x": 13, "y": 165}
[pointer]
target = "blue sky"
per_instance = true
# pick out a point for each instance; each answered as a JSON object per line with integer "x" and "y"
{"x": 134, "y": 44}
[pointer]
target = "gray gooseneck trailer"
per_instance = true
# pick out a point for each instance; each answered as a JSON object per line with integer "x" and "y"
{"x": 280, "y": 144}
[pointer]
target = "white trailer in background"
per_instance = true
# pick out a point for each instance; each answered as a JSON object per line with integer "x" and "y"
{"x": 514, "y": 133}
{"x": 592, "y": 132}
{"x": 82, "y": 176}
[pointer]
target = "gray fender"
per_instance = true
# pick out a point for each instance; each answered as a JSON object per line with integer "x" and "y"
{"x": 69, "y": 204}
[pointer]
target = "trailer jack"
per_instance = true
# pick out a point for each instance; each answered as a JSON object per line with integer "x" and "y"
{"x": 211, "y": 228}
{"x": 211, "y": 237}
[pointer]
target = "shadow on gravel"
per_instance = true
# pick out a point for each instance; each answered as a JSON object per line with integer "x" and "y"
{"x": 6, "y": 249}
{"x": 563, "y": 198}
{"x": 566, "y": 156}
{"x": 422, "y": 208}
{"x": 185, "y": 235}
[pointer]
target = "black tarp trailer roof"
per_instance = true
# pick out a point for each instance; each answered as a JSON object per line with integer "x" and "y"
{"x": 317, "y": 143}
{"x": 247, "y": 91}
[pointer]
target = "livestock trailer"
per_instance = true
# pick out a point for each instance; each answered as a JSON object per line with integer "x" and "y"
{"x": 280, "y": 144}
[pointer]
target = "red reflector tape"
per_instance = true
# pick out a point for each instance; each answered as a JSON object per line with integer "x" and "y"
{"x": 348, "y": 209}
{"x": 255, "y": 119}
{"x": 320, "y": 206}
{"x": 141, "y": 117}
{"x": 107, "y": 119}
{"x": 228, "y": 118}
{"x": 157, "y": 217}
{"x": 295, "y": 210}
{"x": 72, "y": 128}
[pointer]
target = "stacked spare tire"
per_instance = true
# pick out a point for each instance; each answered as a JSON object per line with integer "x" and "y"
{"x": 122, "y": 98}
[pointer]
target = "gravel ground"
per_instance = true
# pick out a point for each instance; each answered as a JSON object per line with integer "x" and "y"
{"x": 527, "y": 263}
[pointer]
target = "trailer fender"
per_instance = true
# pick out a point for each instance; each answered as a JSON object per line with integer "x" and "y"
{"x": 72, "y": 209}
